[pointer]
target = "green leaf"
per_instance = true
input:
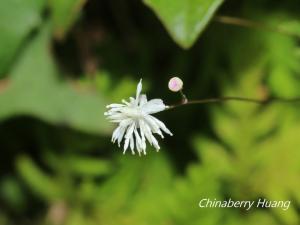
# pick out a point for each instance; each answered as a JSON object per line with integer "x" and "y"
{"x": 35, "y": 90}
{"x": 284, "y": 61}
{"x": 64, "y": 14}
{"x": 11, "y": 192}
{"x": 254, "y": 154}
{"x": 198, "y": 183}
{"x": 17, "y": 19}
{"x": 85, "y": 166}
{"x": 184, "y": 20}
{"x": 128, "y": 194}
{"x": 256, "y": 142}
{"x": 79, "y": 165}
{"x": 39, "y": 182}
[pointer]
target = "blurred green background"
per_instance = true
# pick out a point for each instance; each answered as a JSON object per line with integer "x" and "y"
{"x": 62, "y": 61}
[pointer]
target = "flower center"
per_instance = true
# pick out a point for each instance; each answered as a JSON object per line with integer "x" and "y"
{"x": 133, "y": 112}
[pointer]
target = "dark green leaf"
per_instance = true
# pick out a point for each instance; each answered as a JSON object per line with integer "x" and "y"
{"x": 184, "y": 20}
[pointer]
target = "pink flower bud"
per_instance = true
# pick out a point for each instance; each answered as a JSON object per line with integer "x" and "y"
{"x": 175, "y": 84}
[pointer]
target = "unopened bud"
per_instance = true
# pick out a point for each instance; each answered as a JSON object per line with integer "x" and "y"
{"x": 175, "y": 84}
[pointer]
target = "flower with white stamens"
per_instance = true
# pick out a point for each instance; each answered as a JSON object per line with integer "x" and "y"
{"x": 136, "y": 124}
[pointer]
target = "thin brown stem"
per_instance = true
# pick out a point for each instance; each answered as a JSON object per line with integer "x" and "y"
{"x": 238, "y": 99}
{"x": 253, "y": 24}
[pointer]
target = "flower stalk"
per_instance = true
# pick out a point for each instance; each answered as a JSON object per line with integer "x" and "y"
{"x": 270, "y": 100}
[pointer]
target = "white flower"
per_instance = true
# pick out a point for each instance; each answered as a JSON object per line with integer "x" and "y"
{"x": 136, "y": 124}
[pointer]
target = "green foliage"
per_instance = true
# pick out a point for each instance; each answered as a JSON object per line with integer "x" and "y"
{"x": 184, "y": 20}
{"x": 64, "y": 14}
{"x": 39, "y": 182}
{"x": 13, "y": 193}
{"x": 255, "y": 155}
{"x": 35, "y": 90}
{"x": 25, "y": 16}
{"x": 79, "y": 165}
{"x": 284, "y": 60}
